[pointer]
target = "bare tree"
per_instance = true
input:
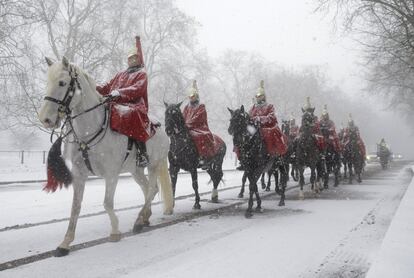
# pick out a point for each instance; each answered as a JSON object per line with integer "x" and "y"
{"x": 385, "y": 29}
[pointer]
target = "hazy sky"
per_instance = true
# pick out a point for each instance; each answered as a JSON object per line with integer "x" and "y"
{"x": 287, "y": 32}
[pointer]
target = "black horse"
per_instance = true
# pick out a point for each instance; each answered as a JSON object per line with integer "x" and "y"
{"x": 353, "y": 156}
{"x": 253, "y": 154}
{"x": 183, "y": 153}
{"x": 332, "y": 158}
{"x": 307, "y": 151}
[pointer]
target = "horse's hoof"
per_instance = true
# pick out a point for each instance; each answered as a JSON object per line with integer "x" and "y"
{"x": 267, "y": 189}
{"x": 248, "y": 214}
{"x": 138, "y": 228}
{"x": 197, "y": 206}
{"x": 168, "y": 212}
{"x": 115, "y": 237}
{"x": 61, "y": 252}
{"x": 258, "y": 209}
{"x": 281, "y": 203}
{"x": 214, "y": 199}
{"x": 359, "y": 180}
{"x": 240, "y": 195}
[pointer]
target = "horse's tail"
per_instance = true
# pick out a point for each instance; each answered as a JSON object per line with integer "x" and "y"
{"x": 165, "y": 186}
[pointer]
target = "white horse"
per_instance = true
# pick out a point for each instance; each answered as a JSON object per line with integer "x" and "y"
{"x": 107, "y": 152}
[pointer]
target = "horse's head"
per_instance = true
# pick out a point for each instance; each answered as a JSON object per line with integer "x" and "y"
{"x": 239, "y": 120}
{"x": 174, "y": 120}
{"x": 308, "y": 120}
{"x": 324, "y": 126}
{"x": 62, "y": 93}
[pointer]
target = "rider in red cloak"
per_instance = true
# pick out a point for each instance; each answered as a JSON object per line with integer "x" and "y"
{"x": 352, "y": 126}
{"x": 328, "y": 125}
{"x": 195, "y": 117}
{"x": 127, "y": 92}
{"x": 263, "y": 114}
{"x": 320, "y": 142}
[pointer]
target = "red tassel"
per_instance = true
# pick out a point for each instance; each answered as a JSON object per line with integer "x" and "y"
{"x": 52, "y": 184}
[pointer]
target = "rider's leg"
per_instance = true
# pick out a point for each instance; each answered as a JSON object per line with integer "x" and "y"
{"x": 142, "y": 155}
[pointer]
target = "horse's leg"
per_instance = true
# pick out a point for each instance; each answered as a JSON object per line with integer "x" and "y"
{"x": 262, "y": 181}
{"x": 216, "y": 174}
{"x": 328, "y": 164}
{"x": 284, "y": 175}
{"x": 301, "y": 181}
{"x": 251, "y": 192}
{"x": 174, "y": 174}
{"x": 244, "y": 178}
{"x": 276, "y": 175}
{"x": 313, "y": 178}
{"x": 194, "y": 177}
{"x": 145, "y": 213}
{"x": 258, "y": 200}
{"x": 350, "y": 172}
{"x": 360, "y": 165}
{"x": 78, "y": 189}
{"x": 269, "y": 177}
{"x": 345, "y": 169}
{"x": 337, "y": 169}
{"x": 110, "y": 187}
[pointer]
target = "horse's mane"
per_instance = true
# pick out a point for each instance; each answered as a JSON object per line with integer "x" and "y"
{"x": 82, "y": 72}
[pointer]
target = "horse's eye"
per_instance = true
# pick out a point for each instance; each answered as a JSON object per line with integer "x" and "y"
{"x": 62, "y": 83}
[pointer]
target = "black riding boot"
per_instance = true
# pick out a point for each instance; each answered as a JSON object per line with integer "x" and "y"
{"x": 142, "y": 156}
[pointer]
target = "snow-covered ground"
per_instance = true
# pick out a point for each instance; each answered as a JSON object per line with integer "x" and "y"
{"x": 338, "y": 232}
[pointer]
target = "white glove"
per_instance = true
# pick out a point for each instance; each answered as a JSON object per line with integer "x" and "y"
{"x": 114, "y": 94}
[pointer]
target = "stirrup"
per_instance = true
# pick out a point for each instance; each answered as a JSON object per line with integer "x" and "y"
{"x": 142, "y": 161}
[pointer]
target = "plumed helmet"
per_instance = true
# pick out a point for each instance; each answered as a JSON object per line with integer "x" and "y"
{"x": 193, "y": 93}
{"x": 325, "y": 114}
{"x": 133, "y": 51}
{"x": 292, "y": 119}
{"x": 308, "y": 107}
{"x": 260, "y": 90}
{"x": 350, "y": 120}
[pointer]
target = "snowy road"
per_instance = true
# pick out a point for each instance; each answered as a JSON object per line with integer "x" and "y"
{"x": 338, "y": 232}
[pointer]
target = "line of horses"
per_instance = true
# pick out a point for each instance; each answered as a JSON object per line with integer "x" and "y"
{"x": 72, "y": 99}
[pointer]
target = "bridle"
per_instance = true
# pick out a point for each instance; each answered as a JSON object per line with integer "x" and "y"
{"x": 64, "y": 111}
{"x": 64, "y": 104}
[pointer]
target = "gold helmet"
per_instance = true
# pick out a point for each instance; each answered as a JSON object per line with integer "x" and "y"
{"x": 292, "y": 119}
{"x": 193, "y": 93}
{"x": 325, "y": 114}
{"x": 260, "y": 90}
{"x": 133, "y": 51}
{"x": 308, "y": 107}
{"x": 350, "y": 120}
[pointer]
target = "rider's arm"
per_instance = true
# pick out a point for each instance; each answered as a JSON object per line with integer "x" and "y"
{"x": 105, "y": 89}
{"x": 269, "y": 119}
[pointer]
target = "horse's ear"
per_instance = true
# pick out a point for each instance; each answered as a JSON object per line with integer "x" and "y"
{"x": 49, "y": 61}
{"x": 242, "y": 109}
{"x": 303, "y": 110}
{"x": 179, "y": 104}
{"x": 166, "y": 104}
{"x": 231, "y": 111}
{"x": 65, "y": 62}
